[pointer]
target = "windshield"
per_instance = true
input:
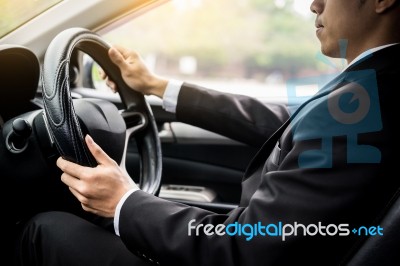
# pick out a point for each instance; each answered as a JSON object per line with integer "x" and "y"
{"x": 15, "y": 13}
{"x": 260, "y": 48}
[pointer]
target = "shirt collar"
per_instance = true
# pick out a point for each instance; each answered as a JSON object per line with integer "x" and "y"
{"x": 368, "y": 52}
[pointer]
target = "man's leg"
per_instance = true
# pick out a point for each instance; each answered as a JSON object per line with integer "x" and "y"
{"x": 58, "y": 238}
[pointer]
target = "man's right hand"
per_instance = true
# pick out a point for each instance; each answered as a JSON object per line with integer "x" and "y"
{"x": 135, "y": 73}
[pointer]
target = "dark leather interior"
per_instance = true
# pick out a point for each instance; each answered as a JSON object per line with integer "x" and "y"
{"x": 382, "y": 250}
{"x": 61, "y": 117}
{"x": 19, "y": 77}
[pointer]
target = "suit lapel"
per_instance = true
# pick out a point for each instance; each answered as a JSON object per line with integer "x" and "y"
{"x": 372, "y": 61}
{"x": 260, "y": 158}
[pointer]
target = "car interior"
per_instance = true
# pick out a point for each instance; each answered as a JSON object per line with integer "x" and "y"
{"x": 170, "y": 159}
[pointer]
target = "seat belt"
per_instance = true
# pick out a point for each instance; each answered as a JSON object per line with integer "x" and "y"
{"x": 358, "y": 244}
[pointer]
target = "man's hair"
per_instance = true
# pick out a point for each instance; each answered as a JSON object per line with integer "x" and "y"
{"x": 396, "y": 4}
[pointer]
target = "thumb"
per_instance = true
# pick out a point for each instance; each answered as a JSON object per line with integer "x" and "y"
{"x": 97, "y": 152}
{"x": 116, "y": 57}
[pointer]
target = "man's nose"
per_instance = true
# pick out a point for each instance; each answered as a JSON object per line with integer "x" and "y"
{"x": 317, "y": 6}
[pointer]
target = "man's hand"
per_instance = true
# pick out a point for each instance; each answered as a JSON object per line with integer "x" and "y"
{"x": 98, "y": 189}
{"x": 135, "y": 73}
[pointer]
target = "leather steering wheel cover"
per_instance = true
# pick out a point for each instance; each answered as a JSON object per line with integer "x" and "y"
{"x": 62, "y": 119}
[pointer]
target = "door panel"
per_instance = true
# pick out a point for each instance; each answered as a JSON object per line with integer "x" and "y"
{"x": 200, "y": 158}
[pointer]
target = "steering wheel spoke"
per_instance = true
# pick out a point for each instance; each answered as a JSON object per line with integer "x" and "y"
{"x": 134, "y": 121}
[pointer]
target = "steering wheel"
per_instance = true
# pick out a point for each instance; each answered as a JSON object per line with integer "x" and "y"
{"x": 68, "y": 120}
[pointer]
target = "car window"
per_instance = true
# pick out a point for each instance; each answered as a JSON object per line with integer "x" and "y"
{"x": 250, "y": 47}
{"x": 17, "y": 12}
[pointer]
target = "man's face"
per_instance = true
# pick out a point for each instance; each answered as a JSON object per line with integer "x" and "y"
{"x": 348, "y": 20}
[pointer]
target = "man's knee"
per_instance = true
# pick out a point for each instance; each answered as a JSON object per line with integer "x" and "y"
{"x": 48, "y": 222}
{"x": 32, "y": 239}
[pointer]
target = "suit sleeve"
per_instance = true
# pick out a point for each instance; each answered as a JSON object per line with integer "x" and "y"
{"x": 226, "y": 113}
{"x": 158, "y": 229}
{"x": 329, "y": 189}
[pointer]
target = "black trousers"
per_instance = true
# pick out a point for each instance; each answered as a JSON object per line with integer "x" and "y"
{"x": 60, "y": 238}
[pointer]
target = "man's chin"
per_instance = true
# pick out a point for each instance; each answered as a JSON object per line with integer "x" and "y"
{"x": 329, "y": 52}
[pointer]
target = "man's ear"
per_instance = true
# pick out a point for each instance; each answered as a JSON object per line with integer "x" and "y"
{"x": 381, "y": 6}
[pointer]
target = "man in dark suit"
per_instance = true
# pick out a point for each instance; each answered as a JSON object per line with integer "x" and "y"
{"x": 323, "y": 169}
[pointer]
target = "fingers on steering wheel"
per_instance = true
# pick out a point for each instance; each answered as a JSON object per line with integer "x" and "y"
{"x": 111, "y": 84}
{"x": 97, "y": 152}
{"x": 108, "y": 82}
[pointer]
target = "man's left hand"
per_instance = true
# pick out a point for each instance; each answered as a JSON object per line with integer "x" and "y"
{"x": 99, "y": 189}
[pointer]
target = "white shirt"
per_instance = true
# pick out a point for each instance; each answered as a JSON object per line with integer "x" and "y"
{"x": 170, "y": 101}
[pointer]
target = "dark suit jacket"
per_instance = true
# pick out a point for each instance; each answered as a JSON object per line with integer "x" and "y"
{"x": 331, "y": 163}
